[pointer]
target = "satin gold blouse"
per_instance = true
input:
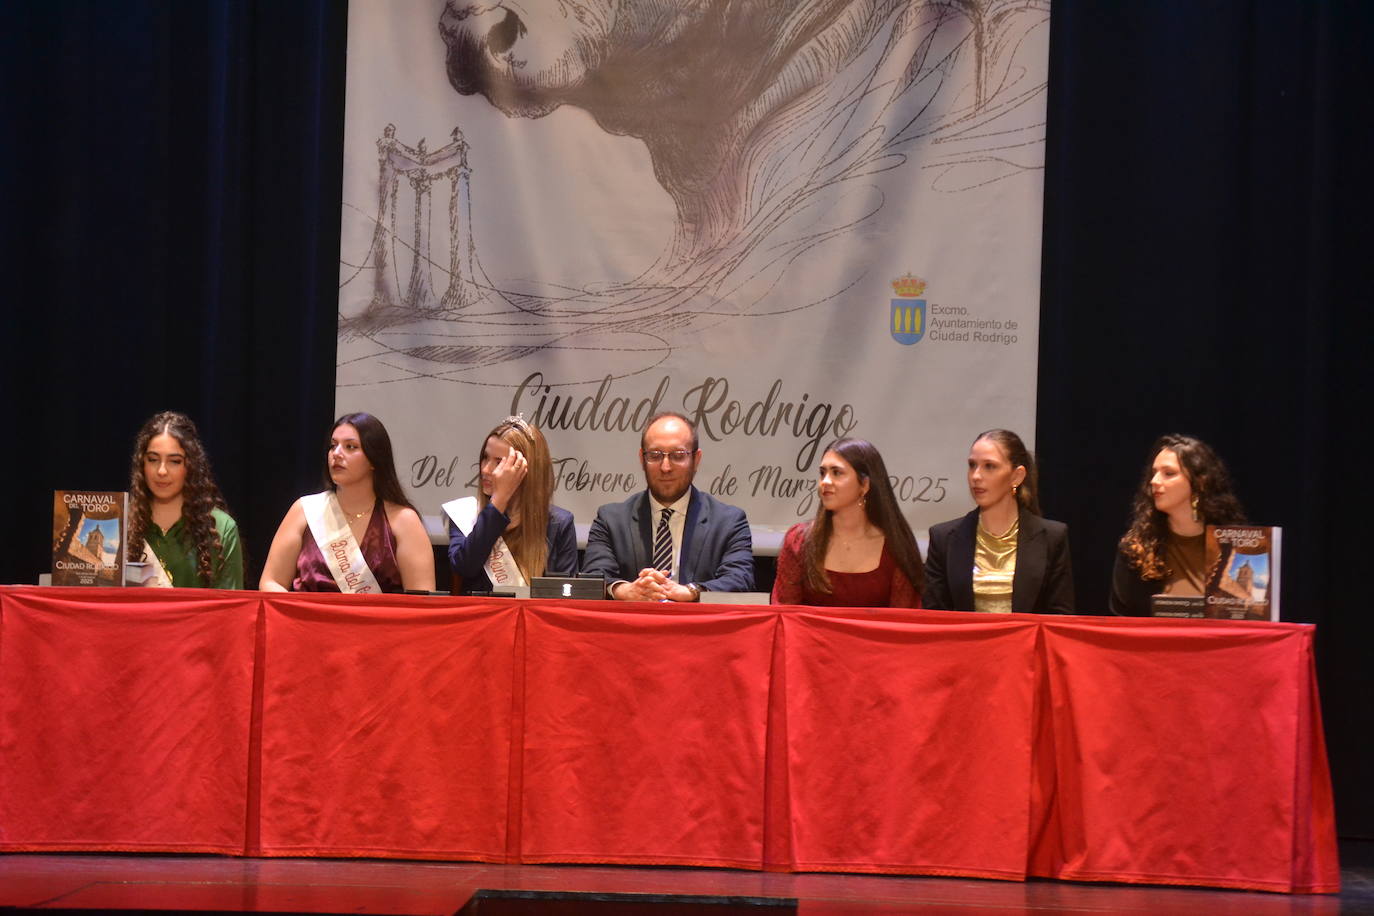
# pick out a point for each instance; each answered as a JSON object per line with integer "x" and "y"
{"x": 994, "y": 568}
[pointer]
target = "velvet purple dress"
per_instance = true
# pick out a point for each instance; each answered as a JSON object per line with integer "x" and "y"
{"x": 379, "y": 552}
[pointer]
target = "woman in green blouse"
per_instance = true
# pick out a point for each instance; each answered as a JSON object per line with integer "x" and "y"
{"x": 178, "y": 521}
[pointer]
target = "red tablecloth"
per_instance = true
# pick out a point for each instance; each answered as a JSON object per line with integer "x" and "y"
{"x": 925, "y": 742}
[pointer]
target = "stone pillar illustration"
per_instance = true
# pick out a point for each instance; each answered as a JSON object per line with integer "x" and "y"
{"x": 421, "y": 169}
{"x": 462, "y": 288}
{"x": 385, "y": 289}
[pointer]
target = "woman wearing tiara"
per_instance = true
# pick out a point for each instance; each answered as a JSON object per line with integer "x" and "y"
{"x": 361, "y": 534}
{"x": 510, "y": 532}
{"x": 1002, "y": 557}
{"x": 179, "y": 524}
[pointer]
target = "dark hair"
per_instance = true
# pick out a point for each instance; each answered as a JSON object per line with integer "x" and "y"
{"x": 199, "y": 495}
{"x": 1144, "y": 542}
{"x": 881, "y": 509}
{"x": 663, "y": 416}
{"x": 377, "y": 449}
{"x": 1028, "y": 492}
{"x": 528, "y": 541}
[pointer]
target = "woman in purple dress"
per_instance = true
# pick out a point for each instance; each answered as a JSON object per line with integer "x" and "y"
{"x": 361, "y": 535}
{"x": 859, "y": 550}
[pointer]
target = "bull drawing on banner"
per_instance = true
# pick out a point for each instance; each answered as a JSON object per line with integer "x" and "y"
{"x": 768, "y": 123}
{"x": 742, "y": 105}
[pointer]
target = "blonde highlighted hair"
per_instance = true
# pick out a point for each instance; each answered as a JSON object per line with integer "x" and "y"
{"x": 528, "y": 541}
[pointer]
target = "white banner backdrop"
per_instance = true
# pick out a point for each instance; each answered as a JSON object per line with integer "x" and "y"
{"x": 790, "y": 221}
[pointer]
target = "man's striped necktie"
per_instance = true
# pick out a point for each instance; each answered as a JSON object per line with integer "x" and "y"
{"x": 663, "y": 543}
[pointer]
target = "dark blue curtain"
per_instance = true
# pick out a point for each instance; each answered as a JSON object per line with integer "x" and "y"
{"x": 171, "y": 182}
{"x": 1206, "y": 270}
{"x": 172, "y": 192}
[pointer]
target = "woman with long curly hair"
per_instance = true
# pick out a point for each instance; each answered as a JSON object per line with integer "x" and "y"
{"x": 178, "y": 521}
{"x": 361, "y": 535}
{"x": 859, "y": 550}
{"x": 1002, "y": 557}
{"x": 511, "y": 532}
{"x": 1185, "y": 488}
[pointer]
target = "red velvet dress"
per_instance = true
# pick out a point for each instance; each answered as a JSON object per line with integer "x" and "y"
{"x": 885, "y": 586}
{"x": 379, "y": 552}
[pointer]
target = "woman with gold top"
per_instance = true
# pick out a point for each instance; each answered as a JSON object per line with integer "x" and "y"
{"x": 1002, "y": 557}
{"x": 179, "y": 524}
{"x": 1185, "y": 487}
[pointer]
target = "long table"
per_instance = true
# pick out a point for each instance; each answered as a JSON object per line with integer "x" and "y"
{"x": 779, "y": 738}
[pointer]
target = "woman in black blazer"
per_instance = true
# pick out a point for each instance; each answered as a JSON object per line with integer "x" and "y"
{"x": 1002, "y": 557}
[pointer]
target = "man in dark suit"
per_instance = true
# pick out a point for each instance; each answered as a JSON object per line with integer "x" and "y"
{"x": 671, "y": 542}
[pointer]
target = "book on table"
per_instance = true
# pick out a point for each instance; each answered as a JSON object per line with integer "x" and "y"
{"x": 88, "y": 533}
{"x": 1243, "y": 571}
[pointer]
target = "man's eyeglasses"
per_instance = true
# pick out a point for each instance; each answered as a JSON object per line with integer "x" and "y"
{"x": 681, "y": 456}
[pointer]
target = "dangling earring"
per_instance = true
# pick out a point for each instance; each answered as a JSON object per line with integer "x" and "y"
{"x": 1194, "y": 505}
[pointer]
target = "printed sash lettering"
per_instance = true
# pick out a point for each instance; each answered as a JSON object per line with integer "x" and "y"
{"x": 342, "y": 554}
{"x": 501, "y": 567}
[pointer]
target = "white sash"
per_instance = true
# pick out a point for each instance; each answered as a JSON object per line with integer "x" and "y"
{"x": 501, "y": 567}
{"x": 154, "y": 576}
{"x": 343, "y": 556}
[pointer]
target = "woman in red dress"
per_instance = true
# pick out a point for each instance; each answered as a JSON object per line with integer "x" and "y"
{"x": 859, "y": 550}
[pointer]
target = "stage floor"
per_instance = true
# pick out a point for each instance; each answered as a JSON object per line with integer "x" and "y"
{"x": 77, "y": 882}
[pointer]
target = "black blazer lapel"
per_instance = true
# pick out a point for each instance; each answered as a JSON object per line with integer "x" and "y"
{"x": 960, "y": 559}
{"x": 1032, "y": 556}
